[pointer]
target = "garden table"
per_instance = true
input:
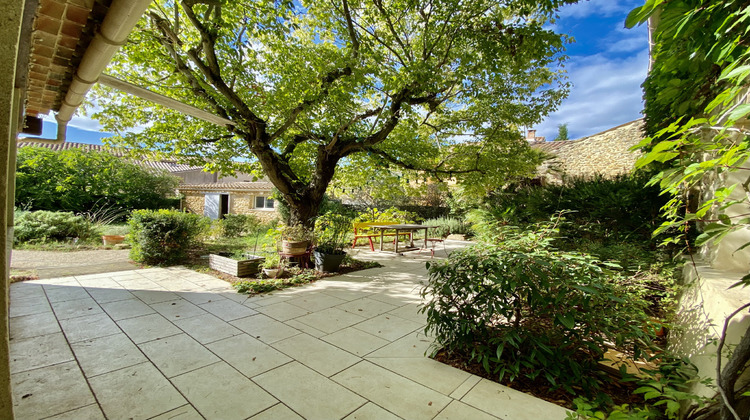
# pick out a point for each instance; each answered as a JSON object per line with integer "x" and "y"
{"x": 411, "y": 228}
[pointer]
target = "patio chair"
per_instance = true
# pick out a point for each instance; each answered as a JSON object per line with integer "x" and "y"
{"x": 441, "y": 232}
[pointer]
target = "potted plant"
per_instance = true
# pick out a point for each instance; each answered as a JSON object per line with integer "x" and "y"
{"x": 331, "y": 230}
{"x": 272, "y": 267}
{"x": 295, "y": 239}
{"x": 112, "y": 239}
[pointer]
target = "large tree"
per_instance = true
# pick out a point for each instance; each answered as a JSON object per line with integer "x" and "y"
{"x": 441, "y": 86}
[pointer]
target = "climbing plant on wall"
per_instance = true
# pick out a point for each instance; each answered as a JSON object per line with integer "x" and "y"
{"x": 696, "y": 114}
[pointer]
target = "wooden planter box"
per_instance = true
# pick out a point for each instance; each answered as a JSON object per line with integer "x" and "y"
{"x": 237, "y": 268}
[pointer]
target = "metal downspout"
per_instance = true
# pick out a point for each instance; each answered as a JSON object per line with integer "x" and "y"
{"x": 116, "y": 26}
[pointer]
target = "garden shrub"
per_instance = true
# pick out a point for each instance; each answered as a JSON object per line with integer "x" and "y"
{"x": 236, "y": 225}
{"x": 623, "y": 208}
{"x": 164, "y": 236}
{"x": 524, "y": 309}
{"x": 87, "y": 181}
{"x": 388, "y": 215}
{"x": 43, "y": 226}
{"x": 454, "y": 225}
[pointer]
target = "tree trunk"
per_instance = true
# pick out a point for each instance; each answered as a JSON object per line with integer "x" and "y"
{"x": 303, "y": 212}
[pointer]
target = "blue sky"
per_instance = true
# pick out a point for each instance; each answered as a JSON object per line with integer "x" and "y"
{"x": 606, "y": 66}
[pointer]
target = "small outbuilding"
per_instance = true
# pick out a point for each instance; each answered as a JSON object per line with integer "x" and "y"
{"x": 218, "y": 199}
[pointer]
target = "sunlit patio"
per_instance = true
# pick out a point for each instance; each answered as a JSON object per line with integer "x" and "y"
{"x": 173, "y": 343}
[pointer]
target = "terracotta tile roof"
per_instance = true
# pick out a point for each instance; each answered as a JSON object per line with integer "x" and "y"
{"x": 62, "y": 31}
{"x": 228, "y": 186}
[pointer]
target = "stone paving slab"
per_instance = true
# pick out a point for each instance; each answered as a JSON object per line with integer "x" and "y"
{"x": 165, "y": 343}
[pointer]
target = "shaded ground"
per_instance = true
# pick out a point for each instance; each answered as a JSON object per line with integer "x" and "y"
{"x": 51, "y": 264}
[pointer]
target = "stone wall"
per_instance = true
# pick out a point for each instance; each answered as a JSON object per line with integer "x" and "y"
{"x": 194, "y": 203}
{"x": 239, "y": 203}
{"x": 607, "y": 154}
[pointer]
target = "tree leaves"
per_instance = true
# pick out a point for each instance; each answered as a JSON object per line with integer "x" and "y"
{"x": 439, "y": 86}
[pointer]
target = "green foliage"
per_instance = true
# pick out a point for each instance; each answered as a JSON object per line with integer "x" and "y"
{"x": 616, "y": 209}
{"x": 164, "y": 237}
{"x": 562, "y": 132}
{"x": 272, "y": 261}
{"x": 44, "y": 226}
{"x": 388, "y": 215}
{"x": 664, "y": 390}
{"x": 331, "y": 232}
{"x": 311, "y": 86}
{"x": 251, "y": 287}
{"x": 452, "y": 224}
{"x": 524, "y": 309}
{"x": 355, "y": 264}
{"x": 236, "y": 225}
{"x": 83, "y": 181}
{"x": 294, "y": 232}
{"x": 695, "y": 97}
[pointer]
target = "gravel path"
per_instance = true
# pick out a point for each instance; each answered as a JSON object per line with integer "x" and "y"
{"x": 49, "y": 264}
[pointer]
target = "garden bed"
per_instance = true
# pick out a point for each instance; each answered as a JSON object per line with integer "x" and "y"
{"x": 348, "y": 266}
{"x": 620, "y": 392}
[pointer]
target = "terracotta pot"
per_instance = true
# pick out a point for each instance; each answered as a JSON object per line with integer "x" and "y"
{"x": 112, "y": 239}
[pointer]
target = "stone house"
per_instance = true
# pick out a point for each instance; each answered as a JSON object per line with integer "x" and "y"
{"x": 604, "y": 154}
{"x": 217, "y": 199}
{"x": 206, "y": 193}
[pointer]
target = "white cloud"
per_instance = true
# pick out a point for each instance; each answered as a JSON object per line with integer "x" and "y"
{"x": 604, "y": 8}
{"x": 623, "y": 40}
{"x": 80, "y": 122}
{"x": 606, "y": 93}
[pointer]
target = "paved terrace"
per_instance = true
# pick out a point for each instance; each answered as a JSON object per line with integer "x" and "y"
{"x": 170, "y": 343}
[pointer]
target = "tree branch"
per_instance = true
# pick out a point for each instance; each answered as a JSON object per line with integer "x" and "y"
{"x": 170, "y": 39}
{"x": 433, "y": 171}
{"x": 726, "y": 378}
{"x": 212, "y": 73}
{"x": 325, "y": 83}
{"x": 350, "y": 28}
{"x": 381, "y": 9}
{"x": 345, "y": 127}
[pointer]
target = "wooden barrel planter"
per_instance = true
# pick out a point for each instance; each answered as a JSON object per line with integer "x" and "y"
{"x": 294, "y": 247}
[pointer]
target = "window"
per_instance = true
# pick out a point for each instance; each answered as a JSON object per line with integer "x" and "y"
{"x": 263, "y": 202}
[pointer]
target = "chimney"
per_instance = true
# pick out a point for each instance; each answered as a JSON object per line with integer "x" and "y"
{"x": 531, "y": 135}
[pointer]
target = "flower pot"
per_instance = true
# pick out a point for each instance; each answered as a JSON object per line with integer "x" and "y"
{"x": 238, "y": 268}
{"x": 112, "y": 239}
{"x": 272, "y": 272}
{"x": 294, "y": 247}
{"x": 328, "y": 262}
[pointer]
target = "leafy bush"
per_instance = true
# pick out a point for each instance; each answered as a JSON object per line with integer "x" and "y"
{"x": 614, "y": 209}
{"x": 665, "y": 391}
{"x": 523, "y": 309}
{"x": 331, "y": 231}
{"x": 454, "y": 225}
{"x": 164, "y": 236}
{"x": 236, "y": 225}
{"x": 83, "y": 181}
{"x": 388, "y": 215}
{"x": 43, "y": 226}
